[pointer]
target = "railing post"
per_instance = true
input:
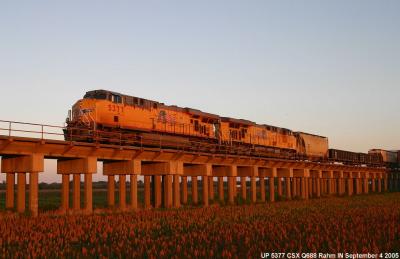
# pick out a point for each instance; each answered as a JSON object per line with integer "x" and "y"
{"x": 42, "y": 131}
{"x": 9, "y": 129}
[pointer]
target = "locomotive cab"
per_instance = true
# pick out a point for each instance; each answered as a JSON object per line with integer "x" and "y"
{"x": 104, "y": 95}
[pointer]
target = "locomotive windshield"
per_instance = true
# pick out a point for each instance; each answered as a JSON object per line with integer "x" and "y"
{"x": 100, "y": 95}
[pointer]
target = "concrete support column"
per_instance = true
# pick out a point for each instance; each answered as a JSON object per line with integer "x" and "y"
{"x": 314, "y": 187}
{"x": 221, "y": 188}
{"x": 358, "y": 185}
{"x": 287, "y": 185}
{"x": 231, "y": 183}
{"x": 326, "y": 189}
{"x": 298, "y": 187}
{"x": 184, "y": 190}
{"x": 349, "y": 186}
{"x": 235, "y": 192}
{"x": 111, "y": 191}
{"x": 262, "y": 189}
{"x": 65, "y": 193}
{"x": 33, "y": 193}
{"x": 279, "y": 187}
{"x": 157, "y": 191}
{"x": 134, "y": 194}
{"x": 253, "y": 189}
{"x": 322, "y": 185}
{"x": 334, "y": 186}
{"x": 205, "y": 191}
{"x": 330, "y": 186}
{"x": 379, "y": 185}
{"x": 10, "y": 181}
{"x": 341, "y": 186}
{"x": 21, "y": 184}
{"x": 318, "y": 187}
{"x": 392, "y": 179}
{"x": 243, "y": 188}
{"x": 310, "y": 188}
{"x": 271, "y": 189}
{"x": 147, "y": 202}
{"x": 373, "y": 184}
{"x": 122, "y": 192}
{"x": 195, "y": 198}
{"x": 76, "y": 194}
{"x": 306, "y": 188}
{"x": 177, "y": 198}
{"x": 303, "y": 187}
{"x": 168, "y": 191}
{"x": 294, "y": 187}
{"x": 88, "y": 191}
{"x": 211, "y": 187}
{"x": 385, "y": 183}
{"x": 366, "y": 185}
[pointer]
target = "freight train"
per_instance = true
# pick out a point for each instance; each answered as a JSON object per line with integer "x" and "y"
{"x": 113, "y": 118}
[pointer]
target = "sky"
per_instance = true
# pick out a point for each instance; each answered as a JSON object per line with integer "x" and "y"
{"x": 330, "y": 68}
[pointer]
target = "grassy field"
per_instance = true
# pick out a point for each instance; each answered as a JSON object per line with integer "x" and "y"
{"x": 50, "y": 198}
{"x": 366, "y": 223}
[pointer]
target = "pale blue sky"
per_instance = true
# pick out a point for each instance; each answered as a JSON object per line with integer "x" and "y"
{"x": 326, "y": 67}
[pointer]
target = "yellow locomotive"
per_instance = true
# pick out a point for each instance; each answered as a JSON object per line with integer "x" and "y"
{"x": 109, "y": 117}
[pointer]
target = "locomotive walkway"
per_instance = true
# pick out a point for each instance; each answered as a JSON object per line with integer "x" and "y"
{"x": 166, "y": 173}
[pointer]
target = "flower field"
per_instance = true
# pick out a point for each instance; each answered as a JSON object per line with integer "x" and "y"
{"x": 357, "y": 224}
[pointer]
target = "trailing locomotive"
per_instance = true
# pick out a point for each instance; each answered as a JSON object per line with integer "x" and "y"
{"x": 109, "y": 117}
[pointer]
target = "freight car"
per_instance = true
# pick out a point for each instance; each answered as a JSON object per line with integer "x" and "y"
{"x": 388, "y": 157}
{"x": 311, "y": 146}
{"x": 109, "y": 117}
{"x": 354, "y": 158}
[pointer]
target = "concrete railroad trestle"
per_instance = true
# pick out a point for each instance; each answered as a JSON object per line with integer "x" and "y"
{"x": 166, "y": 175}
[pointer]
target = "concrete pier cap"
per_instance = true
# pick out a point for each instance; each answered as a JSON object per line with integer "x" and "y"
{"x": 224, "y": 170}
{"x": 162, "y": 168}
{"x": 197, "y": 169}
{"x": 26, "y": 163}
{"x": 267, "y": 172}
{"x": 301, "y": 173}
{"x": 247, "y": 171}
{"x": 338, "y": 174}
{"x": 327, "y": 174}
{"x": 129, "y": 167}
{"x": 315, "y": 173}
{"x": 87, "y": 165}
{"x": 285, "y": 172}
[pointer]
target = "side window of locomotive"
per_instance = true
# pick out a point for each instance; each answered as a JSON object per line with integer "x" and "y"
{"x": 196, "y": 125}
{"x": 116, "y": 98}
